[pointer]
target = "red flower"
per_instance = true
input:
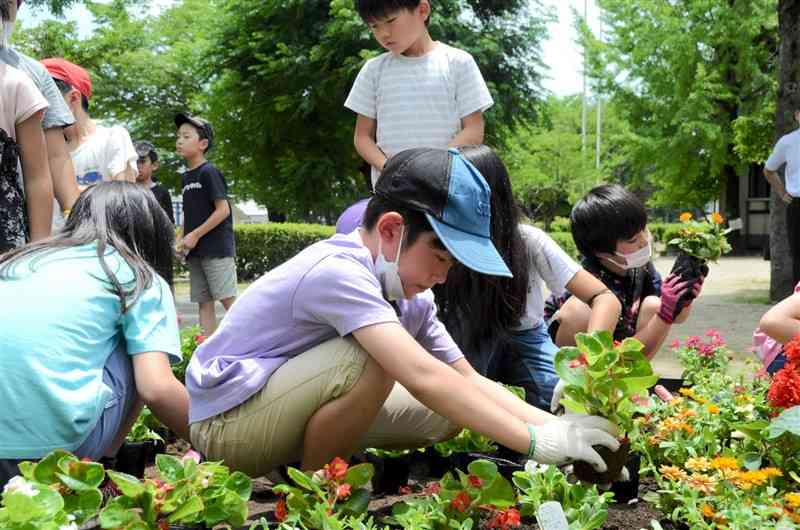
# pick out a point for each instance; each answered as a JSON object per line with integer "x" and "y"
{"x": 580, "y": 361}
{"x": 784, "y": 392}
{"x": 432, "y": 488}
{"x": 200, "y": 339}
{"x": 405, "y": 490}
{"x": 336, "y": 470}
{"x": 503, "y": 519}
{"x": 461, "y": 502}
{"x": 792, "y": 350}
{"x": 343, "y": 491}
{"x": 281, "y": 513}
{"x": 675, "y": 344}
{"x": 163, "y": 525}
{"x": 475, "y": 481}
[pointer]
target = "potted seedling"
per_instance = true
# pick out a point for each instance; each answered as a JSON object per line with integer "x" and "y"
{"x": 604, "y": 378}
{"x": 141, "y": 445}
{"x": 698, "y": 242}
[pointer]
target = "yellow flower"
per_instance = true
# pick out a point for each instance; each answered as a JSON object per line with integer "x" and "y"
{"x": 708, "y": 511}
{"x": 703, "y": 483}
{"x": 700, "y": 463}
{"x": 724, "y": 462}
{"x": 717, "y": 218}
{"x": 713, "y": 409}
{"x": 672, "y": 472}
{"x": 686, "y": 217}
{"x": 747, "y": 479}
{"x": 730, "y": 474}
{"x": 792, "y": 500}
{"x": 688, "y": 392}
{"x": 772, "y": 472}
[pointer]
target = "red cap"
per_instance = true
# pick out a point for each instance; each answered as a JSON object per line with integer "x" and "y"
{"x": 71, "y": 74}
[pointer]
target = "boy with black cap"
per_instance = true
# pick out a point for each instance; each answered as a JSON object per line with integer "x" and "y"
{"x": 207, "y": 241}
{"x": 340, "y": 347}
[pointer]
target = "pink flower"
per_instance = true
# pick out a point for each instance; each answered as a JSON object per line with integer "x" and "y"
{"x": 694, "y": 341}
{"x": 191, "y": 454}
{"x": 675, "y": 344}
{"x": 343, "y": 491}
{"x": 580, "y": 361}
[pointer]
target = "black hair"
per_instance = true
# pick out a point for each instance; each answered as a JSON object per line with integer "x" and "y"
{"x": 65, "y": 88}
{"x": 415, "y": 221}
{"x": 478, "y": 309}
{"x": 5, "y": 9}
{"x": 371, "y": 9}
{"x": 605, "y": 216}
{"x": 121, "y": 215}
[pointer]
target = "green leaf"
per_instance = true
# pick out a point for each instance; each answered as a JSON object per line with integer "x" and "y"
{"x": 359, "y": 475}
{"x": 169, "y": 467}
{"x": 356, "y": 504}
{"x": 115, "y": 516}
{"x": 483, "y": 469}
{"x": 787, "y": 422}
{"x": 186, "y": 512}
{"x": 45, "y": 471}
{"x": 241, "y": 484}
{"x": 129, "y": 485}
{"x": 301, "y": 479}
{"x": 751, "y": 461}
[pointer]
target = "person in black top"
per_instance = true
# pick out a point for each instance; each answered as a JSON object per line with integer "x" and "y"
{"x": 207, "y": 241}
{"x": 609, "y": 226}
{"x": 147, "y": 164}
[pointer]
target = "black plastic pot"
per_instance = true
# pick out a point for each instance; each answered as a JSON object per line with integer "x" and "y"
{"x": 134, "y": 457}
{"x": 614, "y": 462}
{"x": 627, "y": 491}
{"x": 391, "y": 474}
{"x": 689, "y": 269}
{"x": 671, "y": 384}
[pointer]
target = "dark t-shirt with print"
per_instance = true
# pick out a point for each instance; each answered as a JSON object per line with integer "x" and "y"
{"x": 630, "y": 290}
{"x": 201, "y": 187}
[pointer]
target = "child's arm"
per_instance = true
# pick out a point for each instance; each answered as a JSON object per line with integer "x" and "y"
{"x": 65, "y": 184}
{"x": 158, "y": 388}
{"x": 604, "y": 305}
{"x": 782, "y": 322}
{"x": 221, "y": 212}
{"x": 472, "y": 127}
{"x": 36, "y": 176}
{"x": 364, "y": 140}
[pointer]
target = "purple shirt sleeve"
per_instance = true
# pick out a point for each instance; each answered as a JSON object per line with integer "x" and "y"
{"x": 432, "y": 334}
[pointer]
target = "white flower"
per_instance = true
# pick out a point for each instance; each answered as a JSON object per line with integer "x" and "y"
{"x": 533, "y": 468}
{"x": 70, "y": 526}
{"x": 18, "y": 484}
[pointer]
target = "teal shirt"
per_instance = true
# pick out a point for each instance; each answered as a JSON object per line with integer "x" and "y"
{"x": 58, "y": 325}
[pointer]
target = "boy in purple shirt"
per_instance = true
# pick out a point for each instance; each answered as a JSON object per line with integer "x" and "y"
{"x": 339, "y": 348}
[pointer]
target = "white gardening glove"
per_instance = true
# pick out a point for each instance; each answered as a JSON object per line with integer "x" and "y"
{"x": 558, "y": 395}
{"x": 564, "y": 440}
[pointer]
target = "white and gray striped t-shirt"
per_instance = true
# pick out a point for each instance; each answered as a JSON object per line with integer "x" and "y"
{"x": 418, "y": 101}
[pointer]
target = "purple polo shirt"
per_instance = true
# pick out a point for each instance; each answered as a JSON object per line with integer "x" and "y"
{"x": 328, "y": 290}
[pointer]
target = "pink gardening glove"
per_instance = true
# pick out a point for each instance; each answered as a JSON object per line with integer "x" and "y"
{"x": 671, "y": 291}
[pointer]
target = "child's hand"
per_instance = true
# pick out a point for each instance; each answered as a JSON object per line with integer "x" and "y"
{"x": 189, "y": 241}
{"x": 671, "y": 291}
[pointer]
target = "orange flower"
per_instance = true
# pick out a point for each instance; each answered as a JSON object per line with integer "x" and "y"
{"x": 792, "y": 500}
{"x": 708, "y": 511}
{"x": 772, "y": 472}
{"x": 461, "y": 502}
{"x": 717, "y": 218}
{"x": 343, "y": 491}
{"x": 699, "y": 463}
{"x": 724, "y": 462}
{"x": 281, "y": 513}
{"x": 336, "y": 470}
{"x": 713, "y": 409}
{"x": 703, "y": 483}
{"x": 685, "y": 217}
{"x": 672, "y": 472}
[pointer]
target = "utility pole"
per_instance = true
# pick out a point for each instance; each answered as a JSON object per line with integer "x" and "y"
{"x": 583, "y": 99}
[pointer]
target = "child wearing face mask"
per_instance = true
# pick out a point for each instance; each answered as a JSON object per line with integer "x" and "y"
{"x": 609, "y": 226}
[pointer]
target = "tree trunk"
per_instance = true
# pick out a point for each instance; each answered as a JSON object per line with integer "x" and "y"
{"x": 788, "y": 100}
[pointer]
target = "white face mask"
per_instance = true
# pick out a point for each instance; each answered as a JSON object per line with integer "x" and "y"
{"x": 637, "y": 259}
{"x": 8, "y": 30}
{"x": 388, "y": 272}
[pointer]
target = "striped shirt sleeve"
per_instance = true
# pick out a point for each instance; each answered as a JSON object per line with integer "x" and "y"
{"x": 472, "y": 94}
{"x": 364, "y": 94}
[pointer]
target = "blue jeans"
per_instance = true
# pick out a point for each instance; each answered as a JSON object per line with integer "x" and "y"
{"x": 531, "y": 364}
{"x": 118, "y": 376}
{"x": 776, "y": 364}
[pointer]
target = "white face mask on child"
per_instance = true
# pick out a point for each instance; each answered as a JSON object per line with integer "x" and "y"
{"x": 634, "y": 260}
{"x": 388, "y": 272}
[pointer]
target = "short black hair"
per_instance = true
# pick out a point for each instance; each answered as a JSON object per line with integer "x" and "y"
{"x": 415, "y": 221}
{"x": 603, "y": 217}
{"x": 65, "y": 87}
{"x": 372, "y": 9}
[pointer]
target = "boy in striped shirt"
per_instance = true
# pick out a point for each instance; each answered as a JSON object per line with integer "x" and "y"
{"x": 420, "y": 93}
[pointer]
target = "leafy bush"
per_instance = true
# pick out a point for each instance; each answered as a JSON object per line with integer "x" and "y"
{"x": 560, "y": 224}
{"x": 565, "y": 241}
{"x": 191, "y": 338}
{"x": 262, "y": 247}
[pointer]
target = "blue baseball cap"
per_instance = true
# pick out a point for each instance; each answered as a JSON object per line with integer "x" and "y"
{"x": 455, "y": 199}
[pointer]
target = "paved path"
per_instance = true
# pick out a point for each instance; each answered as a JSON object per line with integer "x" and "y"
{"x": 734, "y": 297}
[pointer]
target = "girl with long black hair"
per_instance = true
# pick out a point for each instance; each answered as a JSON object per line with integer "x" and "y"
{"x": 87, "y": 329}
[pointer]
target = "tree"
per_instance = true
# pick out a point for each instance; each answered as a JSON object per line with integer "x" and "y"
{"x": 788, "y": 99}
{"x": 285, "y": 68}
{"x": 682, "y": 73}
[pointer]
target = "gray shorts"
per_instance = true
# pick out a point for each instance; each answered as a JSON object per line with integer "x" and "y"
{"x": 211, "y": 279}
{"x": 118, "y": 376}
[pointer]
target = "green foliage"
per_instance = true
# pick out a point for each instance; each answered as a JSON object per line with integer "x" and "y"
{"x": 185, "y": 493}
{"x": 191, "y": 338}
{"x": 466, "y": 441}
{"x": 58, "y": 490}
{"x": 601, "y": 377}
{"x": 681, "y": 73}
{"x": 457, "y": 502}
{"x": 705, "y": 240}
{"x": 145, "y": 428}
{"x": 260, "y": 248}
{"x": 584, "y": 507}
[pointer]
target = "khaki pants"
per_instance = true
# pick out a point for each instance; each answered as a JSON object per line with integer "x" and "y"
{"x": 268, "y": 429}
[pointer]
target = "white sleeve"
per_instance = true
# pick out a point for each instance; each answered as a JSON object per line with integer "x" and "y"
{"x": 472, "y": 94}
{"x": 778, "y": 156}
{"x": 120, "y": 153}
{"x": 364, "y": 94}
{"x": 551, "y": 262}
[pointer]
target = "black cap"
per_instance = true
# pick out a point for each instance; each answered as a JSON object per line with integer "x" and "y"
{"x": 455, "y": 199}
{"x": 146, "y": 149}
{"x": 202, "y": 125}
